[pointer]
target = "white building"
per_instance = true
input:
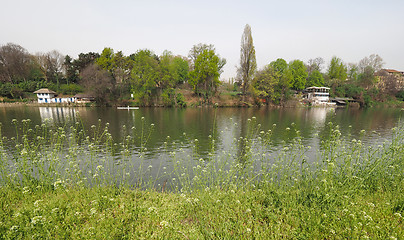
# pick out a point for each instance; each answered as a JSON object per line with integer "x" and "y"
{"x": 48, "y": 96}
{"x": 319, "y": 96}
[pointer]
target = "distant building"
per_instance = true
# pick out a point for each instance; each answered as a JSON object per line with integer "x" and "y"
{"x": 390, "y": 80}
{"x": 319, "y": 96}
{"x": 48, "y": 96}
{"x": 84, "y": 98}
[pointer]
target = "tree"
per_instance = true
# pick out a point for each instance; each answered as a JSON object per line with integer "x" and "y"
{"x": 52, "y": 65}
{"x": 315, "y": 79}
{"x": 207, "y": 68}
{"x": 84, "y": 60}
{"x": 374, "y": 61}
{"x": 98, "y": 82}
{"x": 282, "y": 88}
{"x": 15, "y": 63}
{"x": 70, "y": 71}
{"x": 367, "y": 78}
{"x": 144, "y": 75}
{"x": 337, "y": 70}
{"x": 314, "y": 65}
{"x": 299, "y": 75}
{"x": 106, "y": 60}
{"x": 248, "y": 63}
{"x": 169, "y": 75}
{"x": 182, "y": 68}
{"x": 352, "y": 72}
{"x": 265, "y": 82}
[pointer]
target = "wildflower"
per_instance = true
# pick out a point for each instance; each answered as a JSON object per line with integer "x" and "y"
{"x": 248, "y": 210}
{"x": 152, "y": 209}
{"x": 37, "y": 220}
{"x": 397, "y": 214}
{"x": 238, "y": 201}
{"x": 164, "y": 223}
{"x": 37, "y": 202}
{"x": 93, "y": 211}
{"x": 248, "y": 229}
{"x": 14, "y": 228}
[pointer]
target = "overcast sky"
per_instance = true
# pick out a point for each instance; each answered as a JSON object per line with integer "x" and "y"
{"x": 289, "y": 29}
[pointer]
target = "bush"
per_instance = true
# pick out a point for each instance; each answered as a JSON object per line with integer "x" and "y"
{"x": 400, "y": 95}
{"x": 181, "y": 100}
{"x": 71, "y": 89}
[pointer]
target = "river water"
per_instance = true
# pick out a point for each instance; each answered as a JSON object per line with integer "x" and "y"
{"x": 223, "y": 125}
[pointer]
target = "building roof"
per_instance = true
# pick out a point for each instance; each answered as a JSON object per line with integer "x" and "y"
{"x": 44, "y": 90}
{"x": 83, "y": 95}
{"x": 391, "y": 71}
{"x": 318, "y": 88}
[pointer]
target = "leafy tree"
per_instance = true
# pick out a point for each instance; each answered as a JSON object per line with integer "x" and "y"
{"x": 106, "y": 60}
{"x": 84, "y": 60}
{"x": 207, "y": 68}
{"x": 121, "y": 71}
{"x": 337, "y": 70}
{"x": 71, "y": 74}
{"x": 280, "y": 65}
{"x": 144, "y": 75}
{"x": 182, "y": 68}
{"x": 265, "y": 82}
{"x": 367, "y": 78}
{"x": 299, "y": 75}
{"x": 352, "y": 72}
{"x": 248, "y": 63}
{"x": 169, "y": 74}
{"x": 315, "y": 79}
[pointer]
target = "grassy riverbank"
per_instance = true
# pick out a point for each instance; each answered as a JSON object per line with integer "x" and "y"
{"x": 348, "y": 191}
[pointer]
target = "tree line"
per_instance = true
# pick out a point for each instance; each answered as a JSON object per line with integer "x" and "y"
{"x": 110, "y": 75}
{"x": 279, "y": 80}
{"x": 149, "y": 78}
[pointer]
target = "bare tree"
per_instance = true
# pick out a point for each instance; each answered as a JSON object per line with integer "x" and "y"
{"x": 314, "y": 64}
{"x": 51, "y": 65}
{"x": 14, "y": 63}
{"x": 248, "y": 63}
{"x": 374, "y": 61}
{"x": 98, "y": 82}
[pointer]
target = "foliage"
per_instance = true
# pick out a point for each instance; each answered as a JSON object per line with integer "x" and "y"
{"x": 299, "y": 75}
{"x": 367, "y": 78}
{"x": 315, "y": 79}
{"x": 400, "y": 95}
{"x": 207, "y": 68}
{"x": 168, "y": 97}
{"x": 248, "y": 63}
{"x": 180, "y": 100}
{"x": 71, "y": 89}
{"x": 144, "y": 75}
{"x": 264, "y": 83}
{"x": 337, "y": 70}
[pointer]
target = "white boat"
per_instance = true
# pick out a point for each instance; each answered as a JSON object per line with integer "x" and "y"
{"x": 127, "y": 108}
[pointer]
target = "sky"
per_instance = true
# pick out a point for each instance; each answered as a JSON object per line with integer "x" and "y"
{"x": 288, "y": 29}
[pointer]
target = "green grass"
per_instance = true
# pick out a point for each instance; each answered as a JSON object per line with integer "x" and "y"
{"x": 351, "y": 191}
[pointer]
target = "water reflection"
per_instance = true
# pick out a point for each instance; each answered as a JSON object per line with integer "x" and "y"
{"x": 223, "y": 125}
{"x": 57, "y": 114}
